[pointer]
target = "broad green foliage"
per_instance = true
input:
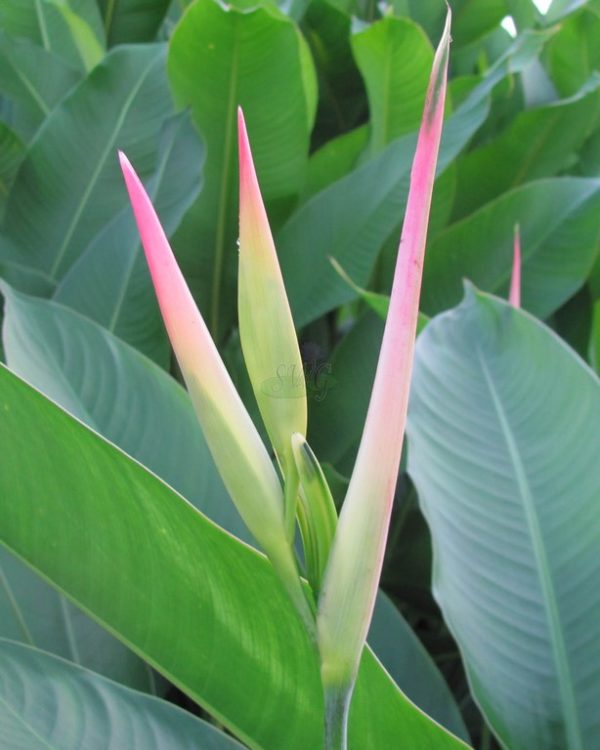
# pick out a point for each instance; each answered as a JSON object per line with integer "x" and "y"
{"x": 394, "y": 57}
{"x": 34, "y": 80}
{"x": 36, "y": 710}
{"x": 68, "y": 186}
{"x": 352, "y": 217}
{"x": 11, "y": 155}
{"x": 277, "y": 92}
{"x": 109, "y": 282}
{"x": 393, "y": 641}
{"x": 560, "y": 230}
{"x": 539, "y": 142}
{"x": 332, "y": 92}
{"x": 132, "y": 20}
{"x": 503, "y": 450}
{"x": 69, "y": 29}
{"x": 141, "y": 527}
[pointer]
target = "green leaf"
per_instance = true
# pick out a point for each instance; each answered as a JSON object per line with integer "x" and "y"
{"x": 109, "y": 282}
{"x": 334, "y": 160}
{"x": 129, "y": 400}
{"x": 413, "y": 670}
{"x": 12, "y": 152}
{"x": 46, "y": 702}
{"x": 342, "y": 100}
{"x": 145, "y": 550}
{"x": 394, "y": 57}
{"x": 118, "y": 392}
{"x": 21, "y": 277}
{"x": 560, "y": 8}
{"x": 430, "y": 15}
{"x": 594, "y": 348}
{"x": 353, "y": 217}
{"x": 379, "y": 303}
{"x": 589, "y": 156}
{"x": 335, "y": 422}
{"x": 503, "y": 449}
{"x": 538, "y": 143}
{"x": 34, "y": 80}
{"x": 560, "y": 227}
{"x": 573, "y": 54}
{"x": 69, "y": 185}
{"x": 256, "y": 59}
{"x": 132, "y": 20}
{"x": 88, "y": 47}
{"x": 473, "y": 19}
{"x": 69, "y": 29}
{"x": 32, "y": 612}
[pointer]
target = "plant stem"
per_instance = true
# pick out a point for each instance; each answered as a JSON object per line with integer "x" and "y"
{"x": 337, "y": 704}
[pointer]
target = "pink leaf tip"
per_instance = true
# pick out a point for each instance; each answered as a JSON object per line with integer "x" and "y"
{"x": 514, "y": 296}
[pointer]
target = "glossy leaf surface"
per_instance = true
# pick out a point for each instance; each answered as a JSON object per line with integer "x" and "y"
{"x": 200, "y": 589}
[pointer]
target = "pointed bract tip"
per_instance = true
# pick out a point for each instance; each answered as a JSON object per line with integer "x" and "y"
{"x": 244, "y": 151}
{"x": 124, "y": 161}
{"x": 242, "y": 132}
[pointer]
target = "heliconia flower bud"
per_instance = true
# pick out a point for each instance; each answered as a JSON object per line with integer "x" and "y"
{"x": 317, "y": 515}
{"x": 267, "y": 333}
{"x": 514, "y": 296}
{"x": 352, "y": 575}
{"x": 236, "y": 446}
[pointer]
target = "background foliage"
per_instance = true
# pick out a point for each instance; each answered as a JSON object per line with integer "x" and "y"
{"x": 505, "y": 406}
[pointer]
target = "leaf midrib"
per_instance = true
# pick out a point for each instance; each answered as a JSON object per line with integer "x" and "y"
{"x": 559, "y": 650}
{"x": 14, "y": 603}
{"x": 42, "y": 24}
{"x": 99, "y": 167}
{"x": 34, "y": 93}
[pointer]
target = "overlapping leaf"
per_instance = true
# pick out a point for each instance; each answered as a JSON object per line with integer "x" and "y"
{"x": 503, "y": 449}
{"x": 146, "y": 550}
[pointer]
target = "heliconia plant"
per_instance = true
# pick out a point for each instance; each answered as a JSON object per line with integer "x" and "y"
{"x": 343, "y": 558}
{"x": 351, "y": 579}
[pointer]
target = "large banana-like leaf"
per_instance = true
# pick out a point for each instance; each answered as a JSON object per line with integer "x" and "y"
{"x": 34, "y": 80}
{"x": 110, "y": 282}
{"x": 560, "y": 226}
{"x": 538, "y": 143}
{"x": 132, "y": 20}
{"x": 503, "y": 448}
{"x": 257, "y": 58}
{"x": 394, "y": 57}
{"x": 69, "y": 186}
{"x": 203, "y": 608}
{"x": 129, "y": 400}
{"x": 46, "y": 702}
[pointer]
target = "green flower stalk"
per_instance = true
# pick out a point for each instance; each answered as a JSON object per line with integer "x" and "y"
{"x": 238, "y": 451}
{"x": 352, "y": 575}
{"x": 317, "y": 516}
